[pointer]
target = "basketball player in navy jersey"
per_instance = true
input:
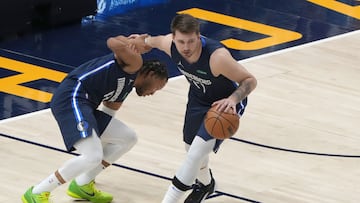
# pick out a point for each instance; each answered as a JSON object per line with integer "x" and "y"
{"x": 88, "y": 126}
{"x": 215, "y": 79}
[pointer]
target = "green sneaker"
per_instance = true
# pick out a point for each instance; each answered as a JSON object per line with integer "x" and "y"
{"x": 88, "y": 192}
{"x": 29, "y": 197}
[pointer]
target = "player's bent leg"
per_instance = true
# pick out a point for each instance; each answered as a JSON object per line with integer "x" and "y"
{"x": 92, "y": 153}
{"x": 186, "y": 175}
{"x": 205, "y": 184}
{"x": 117, "y": 139}
{"x": 204, "y": 175}
{"x": 197, "y": 154}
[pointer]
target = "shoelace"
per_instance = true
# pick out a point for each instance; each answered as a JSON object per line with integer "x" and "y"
{"x": 43, "y": 196}
{"x": 198, "y": 186}
{"x": 93, "y": 188}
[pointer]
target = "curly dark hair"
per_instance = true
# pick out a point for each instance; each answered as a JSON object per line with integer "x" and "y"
{"x": 156, "y": 67}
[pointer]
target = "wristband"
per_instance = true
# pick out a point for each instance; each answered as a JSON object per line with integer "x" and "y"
{"x": 107, "y": 110}
{"x": 147, "y": 40}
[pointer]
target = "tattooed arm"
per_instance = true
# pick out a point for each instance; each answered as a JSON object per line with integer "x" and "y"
{"x": 222, "y": 63}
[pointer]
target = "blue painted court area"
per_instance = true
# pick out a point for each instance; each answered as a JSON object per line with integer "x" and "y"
{"x": 249, "y": 27}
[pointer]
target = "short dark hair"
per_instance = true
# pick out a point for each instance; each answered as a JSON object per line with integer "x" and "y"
{"x": 159, "y": 69}
{"x": 185, "y": 23}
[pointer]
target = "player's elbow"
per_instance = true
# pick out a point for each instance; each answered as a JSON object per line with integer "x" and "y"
{"x": 110, "y": 43}
{"x": 116, "y": 43}
{"x": 253, "y": 82}
{"x": 250, "y": 83}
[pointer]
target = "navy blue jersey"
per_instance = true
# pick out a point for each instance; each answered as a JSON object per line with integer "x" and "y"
{"x": 205, "y": 89}
{"x": 75, "y": 101}
{"x": 104, "y": 79}
{"x": 203, "y": 84}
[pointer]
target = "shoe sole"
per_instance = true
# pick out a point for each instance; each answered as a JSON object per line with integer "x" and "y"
{"x": 73, "y": 195}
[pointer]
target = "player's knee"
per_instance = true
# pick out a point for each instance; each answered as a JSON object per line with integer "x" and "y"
{"x": 133, "y": 141}
{"x": 128, "y": 138}
{"x": 131, "y": 137}
{"x": 95, "y": 158}
{"x": 119, "y": 133}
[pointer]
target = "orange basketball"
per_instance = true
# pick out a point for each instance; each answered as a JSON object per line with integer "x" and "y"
{"x": 221, "y": 125}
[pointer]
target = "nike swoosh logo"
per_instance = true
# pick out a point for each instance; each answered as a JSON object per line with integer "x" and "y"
{"x": 90, "y": 194}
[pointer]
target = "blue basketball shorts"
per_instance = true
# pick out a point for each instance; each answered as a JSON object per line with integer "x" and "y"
{"x": 76, "y": 116}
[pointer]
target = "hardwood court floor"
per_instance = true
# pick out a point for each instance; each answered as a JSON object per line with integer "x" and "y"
{"x": 306, "y": 107}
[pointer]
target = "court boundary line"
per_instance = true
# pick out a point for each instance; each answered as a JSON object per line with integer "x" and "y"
{"x": 232, "y": 138}
{"x": 293, "y": 150}
{"x": 216, "y": 194}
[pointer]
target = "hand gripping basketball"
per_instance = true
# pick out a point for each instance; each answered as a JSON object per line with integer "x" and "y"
{"x": 221, "y": 125}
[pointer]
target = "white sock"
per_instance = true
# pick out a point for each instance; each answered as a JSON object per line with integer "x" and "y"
{"x": 47, "y": 185}
{"x": 172, "y": 195}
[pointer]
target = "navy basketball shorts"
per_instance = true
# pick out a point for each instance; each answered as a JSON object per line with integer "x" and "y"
{"x": 194, "y": 121}
{"x": 76, "y": 116}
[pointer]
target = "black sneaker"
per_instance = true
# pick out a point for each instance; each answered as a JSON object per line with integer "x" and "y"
{"x": 200, "y": 192}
